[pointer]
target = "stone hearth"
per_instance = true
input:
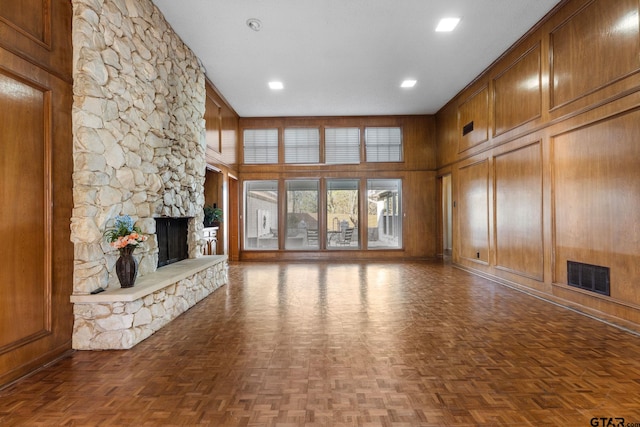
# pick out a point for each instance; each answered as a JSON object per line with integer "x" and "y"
{"x": 121, "y": 318}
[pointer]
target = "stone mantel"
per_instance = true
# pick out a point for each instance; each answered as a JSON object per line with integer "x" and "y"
{"x": 152, "y": 282}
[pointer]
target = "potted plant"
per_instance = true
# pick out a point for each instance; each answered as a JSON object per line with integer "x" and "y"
{"x": 212, "y": 215}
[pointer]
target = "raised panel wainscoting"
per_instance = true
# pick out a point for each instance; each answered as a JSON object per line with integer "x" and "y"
{"x": 36, "y": 169}
{"x": 554, "y": 182}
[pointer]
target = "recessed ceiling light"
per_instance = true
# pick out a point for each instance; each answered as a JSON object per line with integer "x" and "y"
{"x": 447, "y": 24}
{"x": 254, "y": 24}
{"x": 408, "y": 83}
{"x": 276, "y": 85}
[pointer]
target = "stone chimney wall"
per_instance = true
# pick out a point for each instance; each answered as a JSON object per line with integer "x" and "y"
{"x": 139, "y": 133}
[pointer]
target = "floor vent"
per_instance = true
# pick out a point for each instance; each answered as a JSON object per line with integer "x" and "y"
{"x": 589, "y": 277}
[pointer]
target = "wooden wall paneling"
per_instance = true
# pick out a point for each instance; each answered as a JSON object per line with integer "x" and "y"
{"x": 40, "y": 32}
{"x": 440, "y": 214}
{"x": 419, "y": 136}
{"x": 447, "y": 135}
{"x": 518, "y": 211}
{"x": 25, "y": 144}
{"x": 35, "y": 207}
{"x": 29, "y": 17}
{"x": 229, "y": 137}
{"x": 221, "y": 123}
{"x": 473, "y": 120}
{"x": 233, "y": 219}
{"x": 62, "y": 204}
{"x": 593, "y": 48}
{"x": 213, "y": 124}
{"x": 420, "y": 208}
{"x": 221, "y": 130}
{"x": 589, "y": 54}
{"x": 472, "y": 209}
{"x": 212, "y": 187}
{"x": 611, "y": 310}
{"x": 547, "y": 210}
{"x": 518, "y": 92}
{"x": 596, "y": 205}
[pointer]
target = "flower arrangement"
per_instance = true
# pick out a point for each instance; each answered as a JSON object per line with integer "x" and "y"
{"x": 124, "y": 234}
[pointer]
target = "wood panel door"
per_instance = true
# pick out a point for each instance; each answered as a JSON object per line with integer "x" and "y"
{"x": 35, "y": 207}
{"x": 473, "y": 212}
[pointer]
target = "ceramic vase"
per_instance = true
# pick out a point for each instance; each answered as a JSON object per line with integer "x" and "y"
{"x": 127, "y": 267}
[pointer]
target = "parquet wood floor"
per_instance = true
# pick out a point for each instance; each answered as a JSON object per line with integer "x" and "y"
{"x": 352, "y": 344}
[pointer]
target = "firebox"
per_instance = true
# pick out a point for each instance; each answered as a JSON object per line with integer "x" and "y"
{"x": 172, "y": 240}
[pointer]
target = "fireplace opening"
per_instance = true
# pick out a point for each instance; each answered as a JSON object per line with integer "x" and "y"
{"x": 172, "y": 240}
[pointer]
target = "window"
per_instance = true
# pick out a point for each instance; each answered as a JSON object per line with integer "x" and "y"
{"x": 261, "y": 214}
{"x": 312, "y": 222}
{"x": 342, "y": 145}
{"x": 342, "y": 214}
{"x": 384, "y": 213}
{"x": 383, "y": 144}
{"x": 301, "y": 145}
{"x": 260, "y": 146}
{"x": 302, "y": 214}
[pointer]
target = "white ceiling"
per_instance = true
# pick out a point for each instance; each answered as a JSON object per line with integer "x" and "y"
{"x": 347, "y": 57}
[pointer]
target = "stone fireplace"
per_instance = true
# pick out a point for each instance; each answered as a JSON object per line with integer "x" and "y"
{"x": 138, "y": 143}
{"x": 139, "y": 134}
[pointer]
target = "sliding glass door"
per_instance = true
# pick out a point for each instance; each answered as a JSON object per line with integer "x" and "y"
{"x": 302, "y": 215}
{"x": 384, "y": 213}
{"x": 331, "y": 222}
{"x": 343, "y": 213}
{"x": 261, "y": 215}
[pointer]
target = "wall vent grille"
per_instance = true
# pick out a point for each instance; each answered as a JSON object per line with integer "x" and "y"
{"x": 468, "y": 128}
{"x": 592, "y": 278}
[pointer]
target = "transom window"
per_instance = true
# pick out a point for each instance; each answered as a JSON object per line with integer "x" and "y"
{"x": 260, "y": 146}
{"x": 383, "y": 144}
{"x": 342, "y": 145}
{"x": 301, "y": 145}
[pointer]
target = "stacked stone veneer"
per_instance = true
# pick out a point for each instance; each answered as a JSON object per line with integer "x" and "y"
{"x": 121, "y": 325}
{"x": 138, "y": 149}
{"x": 139, "y": 133}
